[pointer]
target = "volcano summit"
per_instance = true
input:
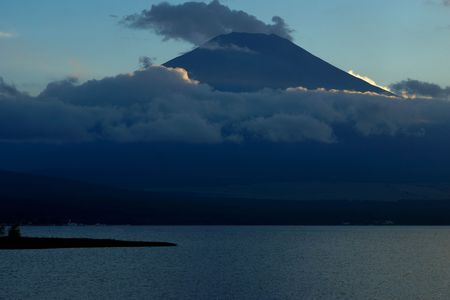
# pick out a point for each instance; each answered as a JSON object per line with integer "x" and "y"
{"x": 245, "y": 62}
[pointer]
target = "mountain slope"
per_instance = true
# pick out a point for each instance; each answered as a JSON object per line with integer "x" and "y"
{"x": 241, "y": 62}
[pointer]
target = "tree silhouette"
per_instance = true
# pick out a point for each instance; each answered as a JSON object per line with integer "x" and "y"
{"x": 14, "y": 232}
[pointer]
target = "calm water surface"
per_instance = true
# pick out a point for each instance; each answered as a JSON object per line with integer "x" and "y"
{"x": 236, "y": 263}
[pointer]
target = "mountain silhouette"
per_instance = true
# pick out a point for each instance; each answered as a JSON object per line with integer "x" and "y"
{"x": 244, "y": 62}
{"x": 42, "y": 200}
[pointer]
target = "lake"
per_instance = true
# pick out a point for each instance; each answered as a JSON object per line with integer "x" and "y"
{"x": 227, "y": 262}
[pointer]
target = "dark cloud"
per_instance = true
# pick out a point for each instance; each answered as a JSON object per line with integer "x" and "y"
{"x": 145, "y": 62}
{"x": 414, "y": 88}
{"x": 25, "y": 118}
{"x": 196, "y": 22}
{"x": 7, "y": 90}
{"x": 160, "y": 104}
{"x": 446, "y": 2}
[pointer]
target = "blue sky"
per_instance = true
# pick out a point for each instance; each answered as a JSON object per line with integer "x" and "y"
{"x": 46, "y": 40}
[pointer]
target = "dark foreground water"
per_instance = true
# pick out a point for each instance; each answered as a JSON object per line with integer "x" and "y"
{"x": 236, "y": 263}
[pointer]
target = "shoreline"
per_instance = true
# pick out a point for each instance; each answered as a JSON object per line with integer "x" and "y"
{"x": 30, "y": 243}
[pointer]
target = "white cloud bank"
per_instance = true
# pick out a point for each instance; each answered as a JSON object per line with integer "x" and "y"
{"x": 369, "y": 80}
{"x": 160, "y": 104}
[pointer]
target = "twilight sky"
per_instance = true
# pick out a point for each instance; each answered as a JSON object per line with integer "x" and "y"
{"x": 47, "y": 40}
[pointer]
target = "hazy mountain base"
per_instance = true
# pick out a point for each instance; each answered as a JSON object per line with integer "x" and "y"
{"x": 306, "y": 191}
{"x": 43, "y": 200}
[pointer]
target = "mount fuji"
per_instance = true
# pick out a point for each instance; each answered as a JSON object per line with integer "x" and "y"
{"x": 245, "y": 62}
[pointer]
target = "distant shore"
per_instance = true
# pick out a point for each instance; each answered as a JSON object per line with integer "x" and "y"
{"x": 7, "y": 243}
